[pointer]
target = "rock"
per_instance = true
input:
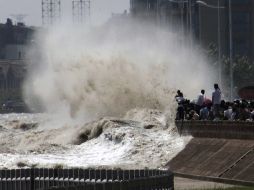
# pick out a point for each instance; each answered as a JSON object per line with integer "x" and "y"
{"x": 28, "y": 126}
{"x": 149, "y": 126}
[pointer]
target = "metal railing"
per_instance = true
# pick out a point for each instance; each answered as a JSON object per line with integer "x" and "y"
{"x": 85, "y": 179}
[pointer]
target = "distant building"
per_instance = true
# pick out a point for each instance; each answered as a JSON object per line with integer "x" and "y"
{"x": 13, "y": 40}
{"x": 242, "y": 26}
{"x": 12, "y": 74}
{"x": 119, "y": 17}
{"x": 15, "y": 51}
{"x": 157, "y": 11}
{"x": 201, "y": 18}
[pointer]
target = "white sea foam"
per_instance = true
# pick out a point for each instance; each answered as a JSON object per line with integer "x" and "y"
{"x": 85, "y": 74}
{"x": 128, "y": 72}
{"x": 126, "y": 144}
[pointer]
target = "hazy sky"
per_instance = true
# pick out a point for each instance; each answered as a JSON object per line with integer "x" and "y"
{"x": 100, "y": 9}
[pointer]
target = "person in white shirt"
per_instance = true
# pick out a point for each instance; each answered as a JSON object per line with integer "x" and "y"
{"x": 216, "y": 100}
{"x": 228, "y": 113}
{"x": 200, "y": 101}
{"x": 252, "y": 115}
{"x": 180, "y": 98}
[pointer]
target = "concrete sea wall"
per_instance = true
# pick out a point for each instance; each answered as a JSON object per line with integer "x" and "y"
{"x": 220, "y": 151}
{"x": 217, "y": 129}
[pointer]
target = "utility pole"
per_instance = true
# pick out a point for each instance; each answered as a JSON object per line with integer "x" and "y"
{"x": 147, "y": 7}
{"x": 158, "y": 13}
{"x": 230, "y": 49}
{"x": 190, "y": 17}
{"x": 219, "y": 43}
{"x": 182, "y": 17}
{"x": 218, "y": 7}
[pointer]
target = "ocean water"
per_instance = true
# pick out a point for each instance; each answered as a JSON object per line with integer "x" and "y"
{"x": 108, "y": 97}
{"x": 141, "y": 139}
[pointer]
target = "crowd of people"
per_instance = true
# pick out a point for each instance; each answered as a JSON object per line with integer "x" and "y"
{"x": 213, "y": 109}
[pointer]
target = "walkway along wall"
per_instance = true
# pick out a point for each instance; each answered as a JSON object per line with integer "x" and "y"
{"x": 220, "y": 151}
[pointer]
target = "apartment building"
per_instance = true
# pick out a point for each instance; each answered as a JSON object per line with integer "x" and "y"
{"x": 206, "y": 20}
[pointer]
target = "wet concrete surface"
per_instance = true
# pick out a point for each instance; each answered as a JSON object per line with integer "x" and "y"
{"x": 190, "y": 184}
{"x": 220, "y": 158}
{"x": 225, "y": 155}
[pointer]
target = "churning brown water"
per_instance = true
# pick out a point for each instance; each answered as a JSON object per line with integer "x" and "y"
{"x": 108, "y": 97}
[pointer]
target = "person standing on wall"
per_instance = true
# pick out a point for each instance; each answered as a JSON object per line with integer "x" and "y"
{"x": 216, "y": 100}
{"x": 200, "y": 101}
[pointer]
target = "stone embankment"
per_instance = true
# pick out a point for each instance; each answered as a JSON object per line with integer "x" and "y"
{"x": 220, "y": 151}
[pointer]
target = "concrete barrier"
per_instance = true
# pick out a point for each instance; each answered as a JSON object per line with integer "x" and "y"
{"x": 221, "y": 151}
{"x": 217, "y": 129}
